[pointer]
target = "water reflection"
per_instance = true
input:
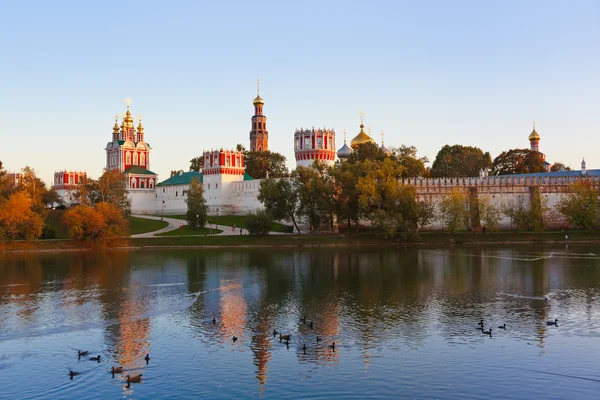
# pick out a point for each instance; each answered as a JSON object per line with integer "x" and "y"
{"x": 373, "y": 304}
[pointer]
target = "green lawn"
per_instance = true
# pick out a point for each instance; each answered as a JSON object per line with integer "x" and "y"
{"x": 143, "y": 225}
{"x": 189, "y": 231}
{"x": 228, "y": 220}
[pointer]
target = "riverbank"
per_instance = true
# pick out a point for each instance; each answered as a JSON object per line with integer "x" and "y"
{"x": 340, "y": 240}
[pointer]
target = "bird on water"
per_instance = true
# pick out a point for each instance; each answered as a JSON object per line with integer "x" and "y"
{"x": 555, "y": 323}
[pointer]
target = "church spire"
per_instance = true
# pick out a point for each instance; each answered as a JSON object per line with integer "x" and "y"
{"x": 259, "y": 136}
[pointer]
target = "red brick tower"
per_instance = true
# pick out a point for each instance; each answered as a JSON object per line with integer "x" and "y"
{"x": 259, "y": 137}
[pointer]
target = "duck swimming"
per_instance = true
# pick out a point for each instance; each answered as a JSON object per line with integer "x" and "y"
{"x": 95, "y": 358}
{"x": 480, "y": 323}
{"x": 332, "y": 346}
{"x": 72, "y": 374}
{"x": 487, "y": 332}
{"x": 284, "y": 337}
{"x": 82, "y": 353}
{"x": 275, "y": 332}
{"x": 235, "y": 338}
{"x": 555, "y": 323}
{"x": 318, "y": 339}
{"x": 116, "y": 370}
{"x": 134, "y": 379}
{"x": 311, "y": 325}
{"x": 147, "y": 358}
{"x": 214, "y": 321}
{"x": 502, "y": 326}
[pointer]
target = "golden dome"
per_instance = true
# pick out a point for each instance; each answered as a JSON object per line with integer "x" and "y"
{"x": 258, "y": 100}
{"x": 534, "y": 135}
{"x": 361, "y": 138}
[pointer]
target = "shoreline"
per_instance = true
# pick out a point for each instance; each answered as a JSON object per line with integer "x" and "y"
{"x": 291, "y": 242}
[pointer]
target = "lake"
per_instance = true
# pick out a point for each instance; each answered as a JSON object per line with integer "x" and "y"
{"x": 404, "y": 322}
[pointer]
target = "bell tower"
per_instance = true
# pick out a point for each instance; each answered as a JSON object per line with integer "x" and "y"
{"x": 259, "y": 137}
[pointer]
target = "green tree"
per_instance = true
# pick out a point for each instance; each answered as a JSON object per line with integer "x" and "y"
{"x": 280, "y": 199}
{"x": 367, "y": 151}
{"x": 346, "y": 176}
{"x": 259, "y": 164}
{"x": 518, "y": 161}
{"x": 489, "y": 214}
{"x": 259, "y": 223}
{"x": 426, "y": 213}
{"x": 308, "y": 186}
{"x": 453, "y": 210}
{"x": 581, "y": 205}
{"x": 197, "y": 212}
{"x": 518, "y": 213}
{"x": 18, "y": 221}
{"x": 460, "y": 161}
{"x": 412, "y": 165}
{"x": 196, "y": 163}
{"x": 51, "y": 197}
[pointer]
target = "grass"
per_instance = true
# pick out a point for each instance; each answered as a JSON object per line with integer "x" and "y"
{"x": 189, "y": 231}
{"x": 228, "y": 220}
{"x": 143, "y": 225}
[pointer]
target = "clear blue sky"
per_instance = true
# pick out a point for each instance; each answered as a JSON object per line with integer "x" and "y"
{"x": 428, "y": 73}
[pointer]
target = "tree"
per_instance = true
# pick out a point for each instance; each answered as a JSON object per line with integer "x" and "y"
{"x": 460, "y": 161}
{"x": 260, "y": 164}
{"x": 5, "y": 187}
{"x": 196, "y": 163}
{"x": 407, "y": 157}
{"x": 116, "y": 224}
{"x": 453, "y": 210}
{"x": 581, "y": 205}
{"x": 518, "y": 161}
{"x": 259, "y": 223}
{"x": 35, "y": 188}
{"x": 84, "y": 223}
{"x": 346, "y": 175}
{"x": 17, "y": 219}
{"x": 558, "y": 166}
{"x": 425, "y": 212}
{"x": 280, "y": 199}
{"x": 517, "y": 212}
{"x": 489, "y": 214}
{"x": 197, "y": 211}
{"x": 111, "y": 188}
{"x": 367, "y": 151}
{"x": 308, "y": 187}
{"x": 50, "y": 197}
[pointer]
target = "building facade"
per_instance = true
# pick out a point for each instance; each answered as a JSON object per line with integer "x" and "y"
{"x": 67, "y": 183}
{"x": 313, "y": 144}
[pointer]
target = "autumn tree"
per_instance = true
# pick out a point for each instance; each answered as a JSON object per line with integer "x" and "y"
{"x": 35, "y": 189}
{"x": 426, "y": 212}
{"x": 5, "y": 187}
{"x": 558, "y": 166}
{"x": 453, "y": 210}
{"x": 346, "y": 175}
{"x": 517, "y": 212}
{"x": 197, "y": 212}
{"x": 460, "y": 161}
{"x": 96, "y": 224}
{"x": 18, "y": 221}
{"x": 111, "y": 187}
{"x": 581, "y": 205}
{"x": 280, "y": 199}
{"x": 518, "y": 161}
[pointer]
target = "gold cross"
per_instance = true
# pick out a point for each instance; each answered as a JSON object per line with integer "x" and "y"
{"x": 345, "y": 135}
{"x": 128, "y": 102}
{"x": 140, "y": 118}
{"x": 116, "y": 117}
{"x": 534, "y": 124}
{"x": 362, "y": 116}
{"x": 257, "y": 86}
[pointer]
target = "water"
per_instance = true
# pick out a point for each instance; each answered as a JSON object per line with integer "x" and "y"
{"x": 403, "y": 320}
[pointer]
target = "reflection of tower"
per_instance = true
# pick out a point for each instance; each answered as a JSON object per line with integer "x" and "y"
{"x": 259, "y": 137}
{"x": 312, "y": 145}
{"x": 233, "y": 310}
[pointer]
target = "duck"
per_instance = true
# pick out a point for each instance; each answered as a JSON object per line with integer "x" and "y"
{"x": 95, "y": 358}
{"x": 480, "y": 323}
{"x": 73, "y": 373}
{"x": 214, "y": 321}
{"x": 502, "y": 326}
{"x": 275, "y": 332}
{"x": 555, "y": 323}
{"x": 311, "y": 325}
{"x": 235, "y": 338}
{"x": 82, "y": 353}
{"x": 147, "y": 358}
{"x": 304, "y": 319}
{"x": 116, "y": 370}
{"x": 304, "y": 347}
{"x": 487, "y": 332}
{"x": 332, "y": 346}
{"x": 284, "y": 337}
{"x": 318, "y": 339}
{"x": 134, "y": 379}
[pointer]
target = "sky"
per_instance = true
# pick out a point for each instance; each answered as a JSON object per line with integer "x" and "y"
{"x": 427, "y": 73}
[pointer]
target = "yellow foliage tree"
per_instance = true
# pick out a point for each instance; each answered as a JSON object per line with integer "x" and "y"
{"x": 17, "y": 219}
{"x": 99, "y": 223}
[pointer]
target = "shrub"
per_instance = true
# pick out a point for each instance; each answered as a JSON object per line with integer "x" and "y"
{"x": 259, "y": 223}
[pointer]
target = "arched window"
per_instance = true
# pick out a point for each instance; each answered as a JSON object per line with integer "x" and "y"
{"x": 128, "y": 158}
{"x": 135, "y": 158}
{"x": 133, "y": 182}
{"x": 151, "y": 184}
{"x": 142, "y": 158}
{"x": 142, "y": 184}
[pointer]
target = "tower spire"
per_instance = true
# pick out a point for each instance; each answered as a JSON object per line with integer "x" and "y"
{"x": 345, "y": 135}
{"x": 257, "y": 86}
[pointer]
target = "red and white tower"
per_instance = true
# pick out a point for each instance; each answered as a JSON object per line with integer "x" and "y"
{"x": 67, "y": 183}
{"x": 129, "y": 153}
{"x": 311, "y": 145}
{"x": 259, "y": 136}
{"x": 221, "y": 167}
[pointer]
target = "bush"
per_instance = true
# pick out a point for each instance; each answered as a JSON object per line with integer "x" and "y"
{"x": 259, "y": 223}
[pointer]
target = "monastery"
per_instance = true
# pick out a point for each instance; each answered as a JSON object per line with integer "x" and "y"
{"x": 229, "y": 190}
